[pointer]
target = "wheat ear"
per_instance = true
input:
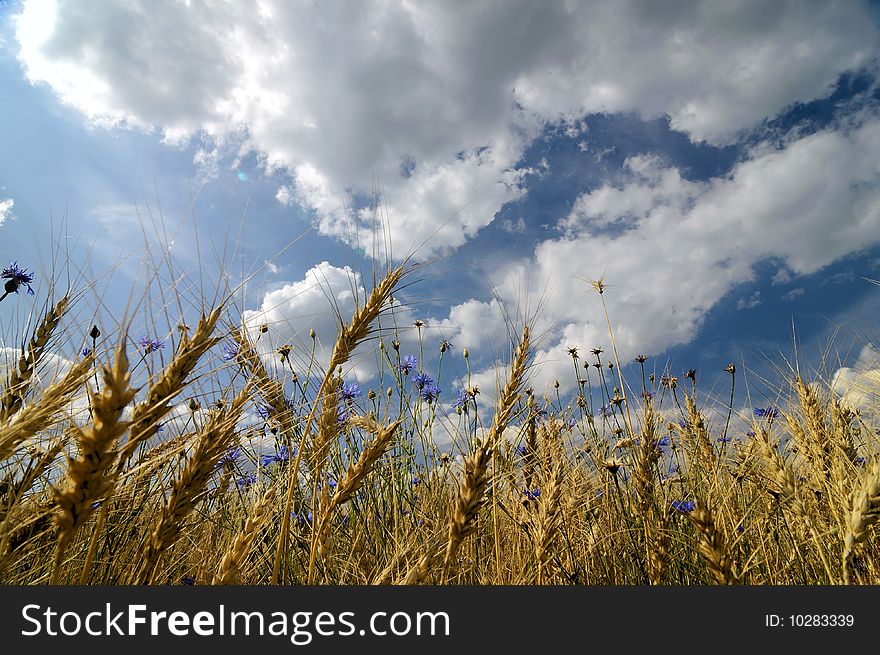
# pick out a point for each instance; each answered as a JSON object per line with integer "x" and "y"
{"x": 230, "y": 569}
{"x": 357, "y": 329}
{"x": 215, "y": 439}
{"x": 18, "y": 379}
{"x": 548, "y": 519}
{"x": 89, "y": 477}
{"x": 711, "y": 544}
{"x": 472, "y": 485}
{"x": 40, "y": 413}
{"x": 147, "y": 414}
{"x": 863, "y": 512}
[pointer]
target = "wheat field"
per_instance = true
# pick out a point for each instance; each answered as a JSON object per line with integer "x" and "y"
{"x": 638, "y": 481}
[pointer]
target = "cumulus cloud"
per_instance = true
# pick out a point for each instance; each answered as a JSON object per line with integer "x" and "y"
{"x": 684, "y": 245}
{"x": 859, "y": 385}
{"x": 6, "y": 209}
{"x": 429, "y": 108}
{"x": 429, "y": 105}
{"x": 325, "y": 297}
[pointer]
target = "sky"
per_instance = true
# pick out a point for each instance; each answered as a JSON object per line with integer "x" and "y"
{"x": 716, "y": 163}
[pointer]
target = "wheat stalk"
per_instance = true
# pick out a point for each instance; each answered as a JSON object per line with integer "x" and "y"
{"x": 357, "y": 329}
{"x": 548, "y": 518}
{"x": 40, "y": 414}
{"x": 18, "y": 379}
{"x": 474, "y": 479}
{"x": 214, "y": 440}
{"x": 230, "y": 569}
{"x": 711, "y": 545}
{"x": 643, "y": 481}
{"x": 147, "y": 414}
{"x": 862, "y": 514}
{"x": 89, "y": 477}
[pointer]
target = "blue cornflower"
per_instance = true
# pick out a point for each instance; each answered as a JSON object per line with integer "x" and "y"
{"x": 571, "y": 422}
{"x": 280, "y": 457}
{"x": 533, "y": 494}
{"x": 96, "y": 504}
{"x": 430, "y": 392}
{"x": 751, "y": 433}
{"x": 351, "y": 390}
{"x": 16, "y": 277}
{"x": 150, "y": 345}
{"x": 246, "y": 481}
{"x": 463, "y": 401}
{"x": 724, "y": 439}
{"x": 264, "y": 411}
{"x": 766, "y": 412}
{"x": 860, "y": 461}
{"x": 416, "y": 482}
{"x": 539, "y": 413}
{"x": 408, "y": 363}
{"x": 522, "y": 450}
{"x": 421, "y": 380}
{"x": 85, "y": 352}
{"x": 230, "y": 351}
{"x": 661, "y": 443}
{"x": 302, "y": 518}
{"x": 229, "y": 458}
{"x": 684, "y": 506}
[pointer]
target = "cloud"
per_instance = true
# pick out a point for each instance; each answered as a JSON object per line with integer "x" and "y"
{"x": 6, "y": 210}
{"x": 749, "y": 303}
{"x": 430, "y": 106}
{"x": 794, "y": 293}
{"x": 514, "y": 227}
{"x": 685, "y": 245}
{"x": 859, "y": 385}
{"x": 51, "y": 368}
{"x": 324, "y": 297}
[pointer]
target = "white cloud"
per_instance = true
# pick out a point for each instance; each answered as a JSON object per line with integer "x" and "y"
{"x": 52, "y": 368}
{"x": 430, "y": 105}
{"x": 749, "y": 303}
{"x": 325, "y": 296}
{"x": 6, "y": 210}
{"x": 794, "y": 293}
{"x": 514, "y": 227}
{"x": 859, "y": 385}
{"x": 688, "y": 244}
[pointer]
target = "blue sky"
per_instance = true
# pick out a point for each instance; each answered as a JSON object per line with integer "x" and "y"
{"x": 717, "y": 162}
